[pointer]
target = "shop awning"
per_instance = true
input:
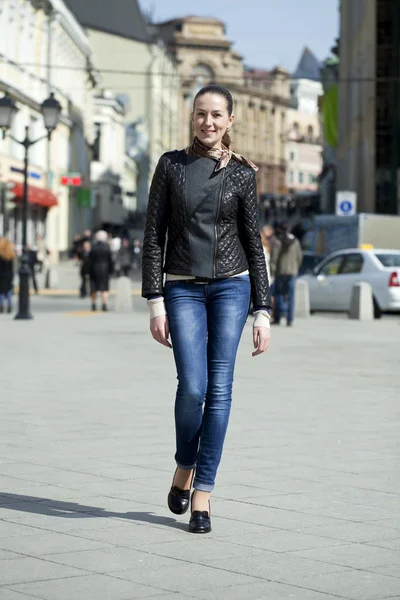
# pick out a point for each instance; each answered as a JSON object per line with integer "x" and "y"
{"x": 37, "y": 196}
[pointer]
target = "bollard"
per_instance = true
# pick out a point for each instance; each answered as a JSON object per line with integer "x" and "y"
{"x": 50, "y": 278}
{"x": 361, "y": 305}
{"x": 123, "y": 295}
{"x": 302, "y": 299}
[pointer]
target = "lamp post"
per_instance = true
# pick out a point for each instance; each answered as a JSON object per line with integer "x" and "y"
{"x": 51, "y": 110}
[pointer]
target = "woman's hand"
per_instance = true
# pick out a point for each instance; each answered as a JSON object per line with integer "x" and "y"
{"x": 261, "y": 339}
{"x": 160, "y": 330}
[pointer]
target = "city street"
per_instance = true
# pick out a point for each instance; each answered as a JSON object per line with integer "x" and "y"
{"x": 307, "y": 499}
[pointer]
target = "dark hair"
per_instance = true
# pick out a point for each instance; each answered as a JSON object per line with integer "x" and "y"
{"x": 219, "y": 90}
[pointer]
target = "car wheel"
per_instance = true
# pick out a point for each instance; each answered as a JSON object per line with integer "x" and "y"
{"x": 377, "y": 309}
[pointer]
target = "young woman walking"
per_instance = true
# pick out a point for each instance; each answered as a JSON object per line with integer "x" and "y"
{"x": 204, "y": 200}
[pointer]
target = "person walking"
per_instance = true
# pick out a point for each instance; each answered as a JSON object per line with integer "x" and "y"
{"x": 205, "y": 199}
{"x": 84, "y": 268}
{"x": 286, "y": 259}
{"x": 100, "y": 269}
{"x": 7, "y": 258}
{"x": 123, "y": 259}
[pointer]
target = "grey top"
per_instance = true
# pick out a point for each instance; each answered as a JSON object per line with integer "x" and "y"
{"x": 201, "y": 178}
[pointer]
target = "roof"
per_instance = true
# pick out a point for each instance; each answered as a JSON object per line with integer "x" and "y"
{"x": 309, "y": 66}
{"x": 123, "y": 18}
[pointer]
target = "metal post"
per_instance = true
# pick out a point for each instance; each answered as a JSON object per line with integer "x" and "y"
{"x": 24, "y": 272}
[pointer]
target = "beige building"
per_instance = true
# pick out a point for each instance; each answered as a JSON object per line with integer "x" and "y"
{"x": 36, "y": 37}
{"x": 369, "y": 100}
{"x": 303, "y": 141}
{"x": 261, "y": 98}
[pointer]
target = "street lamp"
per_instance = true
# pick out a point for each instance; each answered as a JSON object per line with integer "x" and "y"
{"x": 51, "y": 110}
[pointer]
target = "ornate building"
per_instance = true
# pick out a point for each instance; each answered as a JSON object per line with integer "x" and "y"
{"x": 261, "y": 98}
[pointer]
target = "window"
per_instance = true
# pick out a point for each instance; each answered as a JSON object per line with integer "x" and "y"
{"x": 97, "y": 141}
{"x": 311, "y": 178}
{"x": 301, "y": 177}
{"x": 352, "y": 263}
{"x": 389, "y": 260}
{"x": 332, "y": 266}
{"x": 291, "y": 177}
{"x": 310, "y": 131}
{"x": 291, "y": 156}
{"x": 296, "y": 128}
{"x": 203, "y": 72}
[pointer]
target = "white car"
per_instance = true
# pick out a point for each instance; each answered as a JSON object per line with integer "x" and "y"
{"x": 332, "y": 280}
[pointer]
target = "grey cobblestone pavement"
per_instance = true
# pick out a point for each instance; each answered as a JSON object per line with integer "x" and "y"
{"x": 307, "y": 500}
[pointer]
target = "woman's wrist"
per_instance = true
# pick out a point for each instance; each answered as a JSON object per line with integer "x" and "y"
{"x": 156, "y": 307}
{"x": 262, "y": 318}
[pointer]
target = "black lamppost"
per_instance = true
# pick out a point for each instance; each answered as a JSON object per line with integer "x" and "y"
{"x": 51, "y": 110}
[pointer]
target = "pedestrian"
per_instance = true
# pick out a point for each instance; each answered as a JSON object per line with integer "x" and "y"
{"x": 84, "y": 268}
{"x": 137, "y": 254}
{"x": 286, "y": 259}
{"x": 101, "y": 267}
{"x": 205, "y": 199}
{"x": 7, "y": 258}
{"x": 123, "y": 259}
{"x": 32, "y": 262}
{"x": 41, "y": 252}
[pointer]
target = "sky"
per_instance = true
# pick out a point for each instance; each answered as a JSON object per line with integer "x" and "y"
{"x": 266, "y": 32}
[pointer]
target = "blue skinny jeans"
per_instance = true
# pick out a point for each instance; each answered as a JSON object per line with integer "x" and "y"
{"x": 206, "y": 322}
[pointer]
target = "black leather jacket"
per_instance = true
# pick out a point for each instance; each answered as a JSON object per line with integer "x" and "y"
{"x": 234, "y": 228}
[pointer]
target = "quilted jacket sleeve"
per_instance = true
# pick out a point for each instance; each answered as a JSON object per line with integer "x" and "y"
{"x": 155, "y": 231}
{"x": 251, "y": 240}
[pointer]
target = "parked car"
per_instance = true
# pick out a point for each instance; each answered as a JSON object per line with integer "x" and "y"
{"x": 332, "y": 280}
{"x": 309, "y": 262}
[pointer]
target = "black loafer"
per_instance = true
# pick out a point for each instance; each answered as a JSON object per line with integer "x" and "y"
{"x": 178, "y": 500}
{"x": 200, "y": 522}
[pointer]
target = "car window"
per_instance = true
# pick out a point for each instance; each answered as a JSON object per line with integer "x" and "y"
{"x": 332, "y": 266}
{"x": 353, "y": 263}
{"x": 389, "y": 260}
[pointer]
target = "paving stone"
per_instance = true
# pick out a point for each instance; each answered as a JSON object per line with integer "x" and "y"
{"x": 89, "y": 587}
{"x": 357, "y": 556}
{"x": 354, "y": 584}
{"x": 27, "y": 569}
{"x": 278, "y": 567}
{"x": 263, "y": 590}
{"x": 184, "y": 577}
{"x": 7, "y": 594}
{"x": 44, "y": 543}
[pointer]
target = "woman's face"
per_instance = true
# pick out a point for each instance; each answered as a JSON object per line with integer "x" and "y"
{"x": 211, "y": 119}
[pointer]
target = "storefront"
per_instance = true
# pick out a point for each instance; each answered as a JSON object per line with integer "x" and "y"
{"x": 40, "y": 200}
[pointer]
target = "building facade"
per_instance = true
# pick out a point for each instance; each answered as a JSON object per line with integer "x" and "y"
{"x": 303, "y": 138}
{"x": 37, "y": 38}
{"x": 261, "y": 98}
{"x": 369, "y": 104}
{"x": 138, "y": 69}
{"x": 114, "y": 194}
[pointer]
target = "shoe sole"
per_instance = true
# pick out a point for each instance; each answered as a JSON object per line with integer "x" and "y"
{"x": 199, "y": 530}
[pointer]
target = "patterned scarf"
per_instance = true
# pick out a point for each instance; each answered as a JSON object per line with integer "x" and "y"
{"x": 223, "y": 155}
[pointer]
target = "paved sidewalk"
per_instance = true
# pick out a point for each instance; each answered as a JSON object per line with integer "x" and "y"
{"x": 307, "y": 501}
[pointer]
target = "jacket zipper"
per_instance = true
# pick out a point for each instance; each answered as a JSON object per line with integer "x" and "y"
{"x": 216, "y": 230}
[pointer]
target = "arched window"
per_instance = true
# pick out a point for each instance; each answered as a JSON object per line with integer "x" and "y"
{"x": 296, "y": 128}
{"x": 310, "y": 131}
{"x": 202, "y": 71}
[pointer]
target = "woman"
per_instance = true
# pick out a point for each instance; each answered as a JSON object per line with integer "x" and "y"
{"x": 205, "y": 198}
{"x": 100, "y": 269}
{"x": 7, "y": 257}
